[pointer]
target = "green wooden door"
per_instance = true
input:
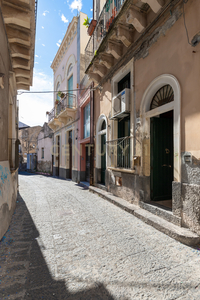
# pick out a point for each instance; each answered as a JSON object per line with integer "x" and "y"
{"x": 161, "y": 158}
{"x": 103, "y": 158}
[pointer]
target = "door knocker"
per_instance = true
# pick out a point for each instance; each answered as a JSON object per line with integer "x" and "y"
{"x": 167, "y": 151}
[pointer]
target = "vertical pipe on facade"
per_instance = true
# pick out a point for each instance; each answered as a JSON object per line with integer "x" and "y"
{"x": 134, "y": 100}
{"x": 92, "y": 134}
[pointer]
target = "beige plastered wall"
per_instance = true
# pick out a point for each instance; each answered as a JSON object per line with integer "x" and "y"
{"x": 102, "y": 106}
{"x": 172, "y": 54}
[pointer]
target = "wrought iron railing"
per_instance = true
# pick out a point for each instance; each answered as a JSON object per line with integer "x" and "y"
{"x": 108, "y": 14}
{"x": 51, "y": 114}
{"x": 119, "y": 152}
{"x": 69, "y": 101}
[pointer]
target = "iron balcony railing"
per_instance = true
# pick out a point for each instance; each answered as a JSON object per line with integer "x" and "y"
{"x": 69, "y": 101}
{"x": 119, "y": 152}
{"x": 108, "y": 14}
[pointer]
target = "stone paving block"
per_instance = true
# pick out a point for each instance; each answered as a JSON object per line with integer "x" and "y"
{"x": 86, "y": 248}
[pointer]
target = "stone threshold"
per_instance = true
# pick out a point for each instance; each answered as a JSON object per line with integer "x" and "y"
{"x": 178, "y": 233}
{"x": 161, "y": 212}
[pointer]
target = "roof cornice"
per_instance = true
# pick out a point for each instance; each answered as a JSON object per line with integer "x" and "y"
{"x": 66, "y": 42}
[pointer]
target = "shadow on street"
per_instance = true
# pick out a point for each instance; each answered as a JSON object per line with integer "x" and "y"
{"x": 24, "y": 273}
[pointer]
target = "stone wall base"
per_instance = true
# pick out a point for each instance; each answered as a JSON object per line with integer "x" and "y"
{"x": 44, "y": 166}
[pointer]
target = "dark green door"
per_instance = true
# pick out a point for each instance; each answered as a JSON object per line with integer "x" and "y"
{"x": 103, "y": 158}
{"x": 161, "y": 158}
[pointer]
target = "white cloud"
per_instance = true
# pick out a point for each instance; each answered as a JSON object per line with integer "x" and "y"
{"x": 42, "y": 27}
{"x": 33, "y": 107}
{"x": 91, "y": 9}
{"x": 36, "y": 55}
{"x": 59, "y": 41}
{"x": 63, "y": 18}
{"x": 43, "y": 45}
{"x": 45, "y": 12}
{"x": 58, "y": 44}
{"x": 36, "y": 62}
{"x": 76, "y": 4}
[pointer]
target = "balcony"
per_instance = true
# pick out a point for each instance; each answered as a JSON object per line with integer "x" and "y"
{"x": 63, "y": 112}
{"x": 119, "y": 153}
{"x": 106, "y": 18}
{"x": 122, "y": 27}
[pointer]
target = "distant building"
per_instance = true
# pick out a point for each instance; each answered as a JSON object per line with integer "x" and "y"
{"x": 28, "y": 139}
{"x": 45, "y": 149}
{"x": 22, "y": 125}
{"x": 68, "y": 67}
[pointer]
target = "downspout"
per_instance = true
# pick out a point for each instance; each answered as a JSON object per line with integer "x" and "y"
{"x": 92, "y": 135}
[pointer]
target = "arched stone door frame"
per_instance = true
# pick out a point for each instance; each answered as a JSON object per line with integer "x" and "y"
{"x": 175, "y": 105}
{"x": 99, "y": 133}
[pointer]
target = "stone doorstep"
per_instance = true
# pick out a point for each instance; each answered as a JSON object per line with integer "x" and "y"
{"x": 161, "y": 212}
{"x": 178, "y": 233}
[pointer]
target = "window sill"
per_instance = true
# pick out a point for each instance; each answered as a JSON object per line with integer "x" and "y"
{"x": 123, "y": 170}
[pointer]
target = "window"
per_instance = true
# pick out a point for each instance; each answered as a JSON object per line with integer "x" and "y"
{"x": 57, "y": 89}
{"x": 86, "y": 113}
{"x": 124, "y": 83}
{"x": 162, "y": 97}
{"x": 69, "y": 69}
{"x": 42, "y": 153}
{"x": 70, "y": 91}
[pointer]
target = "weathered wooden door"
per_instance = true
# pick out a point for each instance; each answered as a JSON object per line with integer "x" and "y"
{"x": 103, "y": 158}
{"x": 161, "y": 158}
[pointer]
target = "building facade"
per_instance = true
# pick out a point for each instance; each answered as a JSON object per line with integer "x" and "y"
{"x": 68, "y": 66}
{"x": 45, "y": 149}
{"x": 17, "y": 40}
{"x": 28, "y": 142}
{"x": 144, "y": 58}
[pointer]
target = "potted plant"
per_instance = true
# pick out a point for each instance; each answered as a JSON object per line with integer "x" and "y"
{"x": 57, "y": 101}
{"x": 91, "y": 27}
{"x": 86, "y": 22}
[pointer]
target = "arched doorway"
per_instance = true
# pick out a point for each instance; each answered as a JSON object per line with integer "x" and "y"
{"x": 101, "y": 153}
{"x": 161, "y": 147}
{"x": 160, "y": 118}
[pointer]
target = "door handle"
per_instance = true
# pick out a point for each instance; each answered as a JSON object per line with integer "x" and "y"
{"x": 167, "y": 166}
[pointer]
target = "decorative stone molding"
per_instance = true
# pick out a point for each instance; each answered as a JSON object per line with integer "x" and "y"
{"x": 19, "y": 19}
{"x": 137, "y": 19}
{"x": 125, "y": 35}
{"x": 155, "y": 5}
{"x": 67, "y": 40}
{"x": 115, "y": 49}
{"x": 106, "y": 60}
{"x": 94, "y": 77}
{"x": 99, "y": 69}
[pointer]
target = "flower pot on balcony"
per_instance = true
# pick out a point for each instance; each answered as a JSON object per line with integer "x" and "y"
{"x": 91, "y": 27}
{"x": 57, "y": 102}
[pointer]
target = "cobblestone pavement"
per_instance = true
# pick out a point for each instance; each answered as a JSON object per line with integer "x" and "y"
{"x": 67, "y": 243}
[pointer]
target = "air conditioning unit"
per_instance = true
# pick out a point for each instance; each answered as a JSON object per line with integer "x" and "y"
{"x": 120, "y": 104}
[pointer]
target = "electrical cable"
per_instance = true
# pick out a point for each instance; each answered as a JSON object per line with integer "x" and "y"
{"x": 63, "y": 91}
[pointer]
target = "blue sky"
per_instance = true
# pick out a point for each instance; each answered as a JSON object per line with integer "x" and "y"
{"x": 53, "y": 17}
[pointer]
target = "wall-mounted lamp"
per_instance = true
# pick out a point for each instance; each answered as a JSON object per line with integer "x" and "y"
{"x": 2, "y": 80}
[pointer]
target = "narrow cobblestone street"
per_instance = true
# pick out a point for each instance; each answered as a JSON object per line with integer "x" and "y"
{"x": 67, "y": 243}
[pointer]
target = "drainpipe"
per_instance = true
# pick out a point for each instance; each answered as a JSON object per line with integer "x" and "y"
{"x": 92, "y": 135}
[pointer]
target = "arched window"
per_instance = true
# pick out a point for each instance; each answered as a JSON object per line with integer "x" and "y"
{"x": 57, "y": 89}
{"x": 103, "y": 126}
{"x": 163, "y": 96}
{"x": 69, "y": 69}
